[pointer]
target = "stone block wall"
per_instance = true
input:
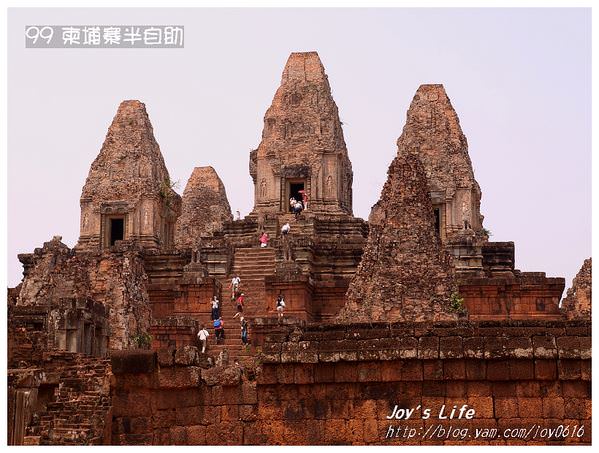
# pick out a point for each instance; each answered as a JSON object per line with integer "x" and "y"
{"x": 67, "y": 401}
{"x": 527, "y": 295}
{"x": 527, "y": 382}
{"x": 173, "y": 332}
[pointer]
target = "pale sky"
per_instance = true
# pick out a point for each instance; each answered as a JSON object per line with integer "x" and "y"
{"x": 519, "y": 79}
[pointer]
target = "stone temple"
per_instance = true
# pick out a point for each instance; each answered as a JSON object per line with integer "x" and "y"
{"x": 415, "y": 306}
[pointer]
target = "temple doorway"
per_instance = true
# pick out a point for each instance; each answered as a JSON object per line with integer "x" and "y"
{"x": 117, "y": 230}
{"x": 295, "y": 186}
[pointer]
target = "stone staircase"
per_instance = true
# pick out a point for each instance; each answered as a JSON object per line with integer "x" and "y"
{"x": 251, "y": 264}
{"x": 232, "y": 342}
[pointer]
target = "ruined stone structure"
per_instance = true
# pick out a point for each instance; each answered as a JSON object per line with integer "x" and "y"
{"x": 128, "y": 193}
{"x": 88, "y": 303}
{"x": 404, "y": 274}
{"x": 577, "y": 303}
{"x": 102, "y": 344}
{"x": 302, "y": 144}
{"x": 205, "y": 208}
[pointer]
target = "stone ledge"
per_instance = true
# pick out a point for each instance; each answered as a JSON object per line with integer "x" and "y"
{"x": 133, "y": 361}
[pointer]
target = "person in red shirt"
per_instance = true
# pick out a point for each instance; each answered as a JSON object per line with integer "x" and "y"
{"x": 240, "y": 301}
{"x": 264, "y": 239}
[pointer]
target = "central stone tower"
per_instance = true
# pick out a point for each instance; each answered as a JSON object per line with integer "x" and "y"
{"x": 302, "y": 145}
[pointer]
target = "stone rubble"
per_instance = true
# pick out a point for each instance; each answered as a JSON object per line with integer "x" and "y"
{"x": 578, "y": 300}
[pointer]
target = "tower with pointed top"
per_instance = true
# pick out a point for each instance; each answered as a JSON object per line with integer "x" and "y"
{"x": 128, "y": 194}
{"x": 302, "y": 147}
{"x": 433, "y": 129}
{"x": 205, "y": 207}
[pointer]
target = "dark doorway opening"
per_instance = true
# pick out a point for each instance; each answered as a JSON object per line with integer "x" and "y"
{"x": 117, "y": 230}
{"x": 294, "y": 191}
{"x": 438, "y": 221}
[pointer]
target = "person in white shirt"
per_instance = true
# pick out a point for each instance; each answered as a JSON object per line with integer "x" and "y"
{"x": 203, "y": 337}
{"x": 215, "y": 308}
{"x": 285, "y": 229}
{"x": 235, "y": 281}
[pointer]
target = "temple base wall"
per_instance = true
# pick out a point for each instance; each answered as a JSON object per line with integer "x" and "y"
{"x": 338, "y": 385}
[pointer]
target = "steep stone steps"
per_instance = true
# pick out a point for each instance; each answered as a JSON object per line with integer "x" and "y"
{"x": 232, "y": 342}
{"x": 164, "y": 273}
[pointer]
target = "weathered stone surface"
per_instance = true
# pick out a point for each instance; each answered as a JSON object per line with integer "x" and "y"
{"x": 204, "y": 207}
{"x": 404, "y": 273}
{"x": 187, "y": 355}
{"x": 129, "y": 181}
{"x": 345, "y": 402}
{"x": 433, "y": 131}
{"x": 577, "y": 303}
{"x": 222, "y": 375}
{"x": 104, "y": 290}
{"x": 68, "y": 402}
{"x": 302, "y": 142}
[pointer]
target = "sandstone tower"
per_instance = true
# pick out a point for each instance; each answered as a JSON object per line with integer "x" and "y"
{"x": 302, "y": 145}
{"x": 404, "y": 273}
{"x": 433, "y": 129}
{"x": 205, "y": 207}
{"x": 128, "y": 193}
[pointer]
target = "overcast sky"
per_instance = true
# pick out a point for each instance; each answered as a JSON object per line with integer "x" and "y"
{"x": 519, "y": 79}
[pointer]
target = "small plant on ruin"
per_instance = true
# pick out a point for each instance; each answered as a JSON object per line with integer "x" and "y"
{"x": 166, "y": 190}
{"x": 487, "y": 233}
{"x": 456, "y": 304}
{"x": 142, "y": 340}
